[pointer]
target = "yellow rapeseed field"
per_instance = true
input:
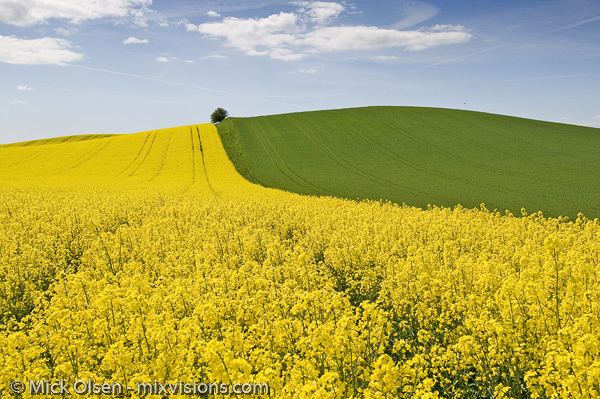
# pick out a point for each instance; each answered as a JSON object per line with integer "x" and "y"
{"x": 144, "y": 257}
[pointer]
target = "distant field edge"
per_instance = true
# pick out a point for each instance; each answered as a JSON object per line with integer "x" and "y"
{"x": 422, "y": 156}
{"x": 58, "y": 140}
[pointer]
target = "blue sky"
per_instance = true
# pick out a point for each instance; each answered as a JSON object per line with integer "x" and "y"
{"x": 69, "y": 67}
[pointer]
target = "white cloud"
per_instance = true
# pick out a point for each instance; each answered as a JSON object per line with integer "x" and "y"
{"x": 162, "y": 59}
{"x": 213, "y": 14}
{"x": 31, "y": 12}
{"x": 321, "y": 11}
{"x": 43, "y": 51}
{"x": 135, "y": 40}
{"x": 289, "y": 36}
{"x": 17, "y": 102}
{"x": 269, "y": 36}
{"x": 341, "y": 38}
{"x": 24, "y": 88}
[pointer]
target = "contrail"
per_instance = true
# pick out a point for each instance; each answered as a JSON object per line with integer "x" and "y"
{"x": 552, "y": 77}
{"x": 135, "y": 76}
{"x": 576, "y": 24}
{"x": 180, "y": 84}
{"x": 562, "y": 28}
{"x": 99, "y": 93}
{"x": 462, "y": 57}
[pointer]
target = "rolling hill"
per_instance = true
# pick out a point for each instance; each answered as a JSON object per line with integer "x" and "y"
{"x": 422, "y": 156}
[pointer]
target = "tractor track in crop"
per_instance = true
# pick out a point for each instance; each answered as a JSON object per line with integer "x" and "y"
{"x": 203, "y": 160}
{"x": 143, "y": 159}
{"x": 163, "y": 158}
{"x": 85, "y": 158}
{"x": 146, "y": 137}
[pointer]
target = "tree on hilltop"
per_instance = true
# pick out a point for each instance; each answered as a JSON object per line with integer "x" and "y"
{"x": 219, "y": 115}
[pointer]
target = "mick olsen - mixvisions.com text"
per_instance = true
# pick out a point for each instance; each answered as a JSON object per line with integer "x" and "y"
{"x": 154, "y": 388}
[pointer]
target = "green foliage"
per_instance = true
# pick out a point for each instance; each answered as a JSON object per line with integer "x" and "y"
{"x": 219, "y": 115}
{"x": 422, "y": 156}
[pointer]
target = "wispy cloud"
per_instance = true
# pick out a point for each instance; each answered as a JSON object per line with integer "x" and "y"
{"x": 169, "y": 58}
{"x": 60, "y": 31}
{"x": 384, "y": 58}
{"x": 135, "y": 40}
{"x": 307, "y": 71}
{"x": 414, "y": 13}
{"x": 320, "y": 11}
{"x": 24, "y": 88}
{"x": 216, "y": 56}
{"x": 17, "y": 102}
{"x": 213, "y": 14}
